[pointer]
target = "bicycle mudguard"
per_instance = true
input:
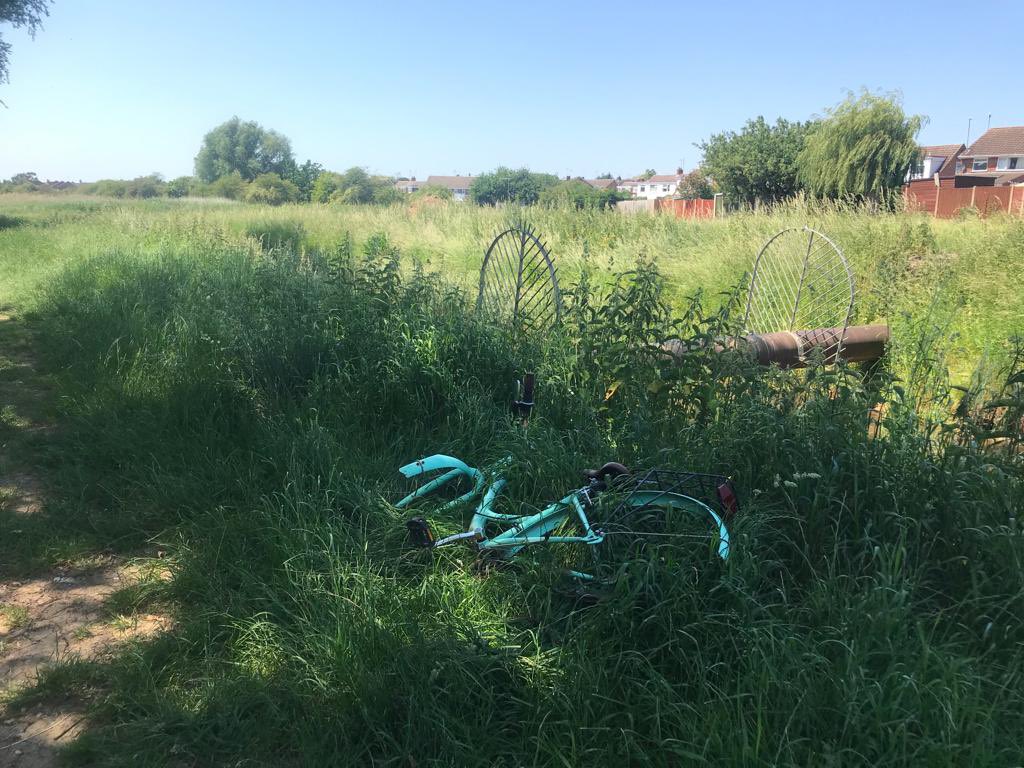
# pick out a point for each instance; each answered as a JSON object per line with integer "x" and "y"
{"x": 437, "y": 461}
{"x": 679, "y": 501}
{"x": 455, "y": 467}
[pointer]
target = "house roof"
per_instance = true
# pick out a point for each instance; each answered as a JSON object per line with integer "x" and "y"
{"x": 452, "y": 182}
{"x": 602, "y": 183}
{"x": 948, "y": 168}
{"x": 663, "y": 179}
{"x": 998, "y": 141}
{"x": 941, "y": 150}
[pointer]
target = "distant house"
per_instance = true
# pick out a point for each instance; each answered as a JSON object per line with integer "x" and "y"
{"x": 602, "y": 183}
{"x": 995, "y": 159}
{"x": 654, "y": 187}
{"x": 938, "y": 158}
{"x": 459, "y": 185}
{"x": 987, "y": 176}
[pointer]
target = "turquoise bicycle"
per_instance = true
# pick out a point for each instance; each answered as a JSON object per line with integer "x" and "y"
{"x": 616, "y": 516}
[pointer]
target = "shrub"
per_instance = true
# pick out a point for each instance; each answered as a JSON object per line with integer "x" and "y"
{"x": 232, "y": 187}
{"x": 435, "y": 191}
{"x": 271, "y": 189}
{"x": 578, "y": 194}
{"x": 180, "y": 187}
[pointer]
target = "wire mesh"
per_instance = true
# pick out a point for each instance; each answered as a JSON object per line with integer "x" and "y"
{"x": 802, "y": 282}
{"x": 518, "y": 281}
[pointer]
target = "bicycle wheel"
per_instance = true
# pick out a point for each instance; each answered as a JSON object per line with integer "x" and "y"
{"x": 665, "y": 518}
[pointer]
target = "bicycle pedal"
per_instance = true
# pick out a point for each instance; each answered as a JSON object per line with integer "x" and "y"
{"x": 420, "y": 533}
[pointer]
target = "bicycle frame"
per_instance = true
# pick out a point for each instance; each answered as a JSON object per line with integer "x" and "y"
{"x": 538, "y": 528}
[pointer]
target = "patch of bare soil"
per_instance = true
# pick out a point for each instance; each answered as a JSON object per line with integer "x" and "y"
{"x": 63, "y": 614}
{"x": 51, "y": 618}
{"x": 47, "y": 619}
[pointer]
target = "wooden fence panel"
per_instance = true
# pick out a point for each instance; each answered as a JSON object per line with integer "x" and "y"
{"x": 635, "y": 206}
{"x": 946, "y": 202}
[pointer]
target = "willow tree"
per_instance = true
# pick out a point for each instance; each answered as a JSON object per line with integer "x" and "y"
{"x": 862, "y": 149}
{"x": 20, "y": 13}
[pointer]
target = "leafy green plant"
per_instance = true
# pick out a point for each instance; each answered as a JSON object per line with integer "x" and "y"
{"x": 271, "y": 189}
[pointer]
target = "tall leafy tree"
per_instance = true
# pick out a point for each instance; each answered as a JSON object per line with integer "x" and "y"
{"x": 245, "y": 148}
{"x": 503, "y": 185}
{"x": 758, "y": 164}
{"x": 20, "y": 13}
{"x": 863, "y": 148}
{"x": 305, "y": 176}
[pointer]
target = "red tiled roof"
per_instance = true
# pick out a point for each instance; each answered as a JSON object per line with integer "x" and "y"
{"x": 667, "y": 178}
{"x": 998, "y": 141}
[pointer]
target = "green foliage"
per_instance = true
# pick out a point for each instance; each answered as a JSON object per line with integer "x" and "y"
{"x": 578, "y": 194}
{"x": 696, "y": 185}
{"x": 20, "y": 13}
{"x": 231, "y": 186}
{"x": 251, "y": 408}
{"x": 141, "y": 187}
{"x": 326, "y": 184}
{"x": 246, "y": 406}
{"x": 432, "y": 190}
{"x": 24, "y": 182}
{"x": 277, "y": 234}
{"x": 647, "y": 174}
{"x": 354, "y": 186}
{"x": 271, "y": 189}
{"x": 180, "y": 187}
{"x": 305, "y": 177}
{"x": 863, "y": 148}
{"x": 245, "y": 148}
{"x": 504, "y": 185}
{"x": 758, "y": 164}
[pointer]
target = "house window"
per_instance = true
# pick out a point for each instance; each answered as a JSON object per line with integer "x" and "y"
{"x": 918, "y": 169}
{"x": 643, "y": 188}
{"x": 980, "y": 164}
{"x": 664, "y": 187}
{"x": 959, "y": 166}
{"x": 1009, "y": 163}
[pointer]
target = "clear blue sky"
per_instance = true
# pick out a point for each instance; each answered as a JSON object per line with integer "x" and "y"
{"x": 121, "y": 88}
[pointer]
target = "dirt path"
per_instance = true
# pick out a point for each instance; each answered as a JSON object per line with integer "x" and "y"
{"x": 62, "y": 613}
{"x": 55, "y": 617}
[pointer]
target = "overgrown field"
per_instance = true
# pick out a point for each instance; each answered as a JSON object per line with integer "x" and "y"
{"x": 236, "y": 386}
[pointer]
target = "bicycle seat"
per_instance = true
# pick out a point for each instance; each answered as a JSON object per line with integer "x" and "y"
{"x": 608, "y": 470}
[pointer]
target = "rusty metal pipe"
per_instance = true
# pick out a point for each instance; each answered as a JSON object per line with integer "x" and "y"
{"x": 794, "y": 349}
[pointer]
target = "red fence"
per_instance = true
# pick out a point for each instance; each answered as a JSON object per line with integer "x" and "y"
{"x": 945, "y": 202}
{"x": 687, "y": 209}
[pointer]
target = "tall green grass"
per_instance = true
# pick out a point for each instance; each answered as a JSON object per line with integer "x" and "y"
{"x": 903, "y": 263}
{"x": 244, "y": 404}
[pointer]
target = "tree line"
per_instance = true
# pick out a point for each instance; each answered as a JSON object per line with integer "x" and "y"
{"x": 860, "y": 149}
